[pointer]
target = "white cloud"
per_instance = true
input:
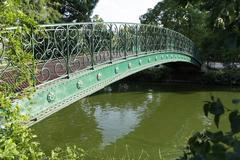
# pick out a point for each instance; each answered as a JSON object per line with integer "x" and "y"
{"x": 123, "y": 10}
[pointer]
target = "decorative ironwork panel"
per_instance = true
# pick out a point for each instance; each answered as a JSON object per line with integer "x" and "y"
{"x": 61, "y": 49}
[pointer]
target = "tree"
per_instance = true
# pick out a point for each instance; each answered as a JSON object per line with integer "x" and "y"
{"x": 75, "y": 10}
{"x": 97, "y": 18}
{"x": 212, "y": 24}
{"x": 223, "y": 14}
{"x": 181, "y": 16}
{"x": 224, "y": 20}
{"x": 41, "y": 11}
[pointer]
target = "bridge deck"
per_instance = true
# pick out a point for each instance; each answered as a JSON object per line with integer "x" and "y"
{"x": 106, "y": 49}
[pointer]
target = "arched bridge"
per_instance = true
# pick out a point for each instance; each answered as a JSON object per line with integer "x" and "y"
{"x": 78, "y": 59}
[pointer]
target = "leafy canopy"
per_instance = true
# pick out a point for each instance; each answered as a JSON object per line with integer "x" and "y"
{"x": 212, "y": 24}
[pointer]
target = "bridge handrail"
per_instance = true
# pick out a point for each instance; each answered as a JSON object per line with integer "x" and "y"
{"x": 87, "y": 23}
{"x": 61, "y": 49}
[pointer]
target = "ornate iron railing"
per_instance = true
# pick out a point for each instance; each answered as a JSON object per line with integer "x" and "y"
{"x": 61, "y": 49}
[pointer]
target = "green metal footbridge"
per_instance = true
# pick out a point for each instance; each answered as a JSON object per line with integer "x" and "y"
{"x": 75, "y": 60}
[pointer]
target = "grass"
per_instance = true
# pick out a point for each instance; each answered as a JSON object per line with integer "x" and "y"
{"x": 143, "y": 155}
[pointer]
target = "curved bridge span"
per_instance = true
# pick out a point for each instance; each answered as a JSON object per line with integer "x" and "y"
{"x": 78, "y": 59}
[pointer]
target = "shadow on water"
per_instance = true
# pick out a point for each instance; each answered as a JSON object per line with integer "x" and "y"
{"x": 143, "y": 87}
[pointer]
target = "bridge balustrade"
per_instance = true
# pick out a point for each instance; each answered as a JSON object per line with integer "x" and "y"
{"x": 62, "y": 49}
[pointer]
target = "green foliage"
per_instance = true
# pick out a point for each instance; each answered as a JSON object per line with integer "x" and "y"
{"x": 180, "y": 16}
{"x": 15, "y": 55}
{"x": 16, "y": 139}
{"x": 208, "y": 145}
{"x": 212, "y": 24}
{"x": 224, "y": 14}
{"x": 75, "y": 10}
{"x": 71, "y": 153}
{"x": 41, "y": 11}
{"x": 97, "y": 18}
{"x": 226, "y": 76}
{"x": 49, "y": 11}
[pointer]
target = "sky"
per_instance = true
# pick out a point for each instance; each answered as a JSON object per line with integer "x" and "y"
{"x": 123, "y": 10}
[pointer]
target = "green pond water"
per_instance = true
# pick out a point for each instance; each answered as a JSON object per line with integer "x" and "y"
{"x": 134, "y": 119}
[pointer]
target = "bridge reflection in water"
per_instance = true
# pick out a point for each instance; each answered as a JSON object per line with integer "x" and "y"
{"x": 146, "y": 117}
{"x": 95, "y": 123}
{"x": 76, "y": 60}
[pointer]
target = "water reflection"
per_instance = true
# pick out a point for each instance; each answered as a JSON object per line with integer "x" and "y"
{"x": 96, "y": 121}
{"x": 117, "y": 116}
{"x": 109, "y": 122}
{"x": 143, "y": 116}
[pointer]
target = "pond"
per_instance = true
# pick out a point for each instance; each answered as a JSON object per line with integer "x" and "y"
{"x": 134, "y": 119}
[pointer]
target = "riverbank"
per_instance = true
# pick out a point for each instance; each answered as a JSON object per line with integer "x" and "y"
{"x": 166, "y": 75}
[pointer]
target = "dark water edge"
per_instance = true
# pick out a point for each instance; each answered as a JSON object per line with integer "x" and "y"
{"x": 188, "y": 74}
{"x": 134, "y": 117}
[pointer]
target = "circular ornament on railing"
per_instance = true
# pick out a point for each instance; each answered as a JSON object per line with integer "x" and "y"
{"x": 79, "y": 84}
{"x": 116, "y": 70}
{"x": 129, "y": 65}
{"x": 140, "y": 62}
{"x": 99, "y": 76}
{"x": 51, "y": 97}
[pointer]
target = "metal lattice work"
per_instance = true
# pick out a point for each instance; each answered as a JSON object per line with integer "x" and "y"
{"x": 62, "y": 49}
